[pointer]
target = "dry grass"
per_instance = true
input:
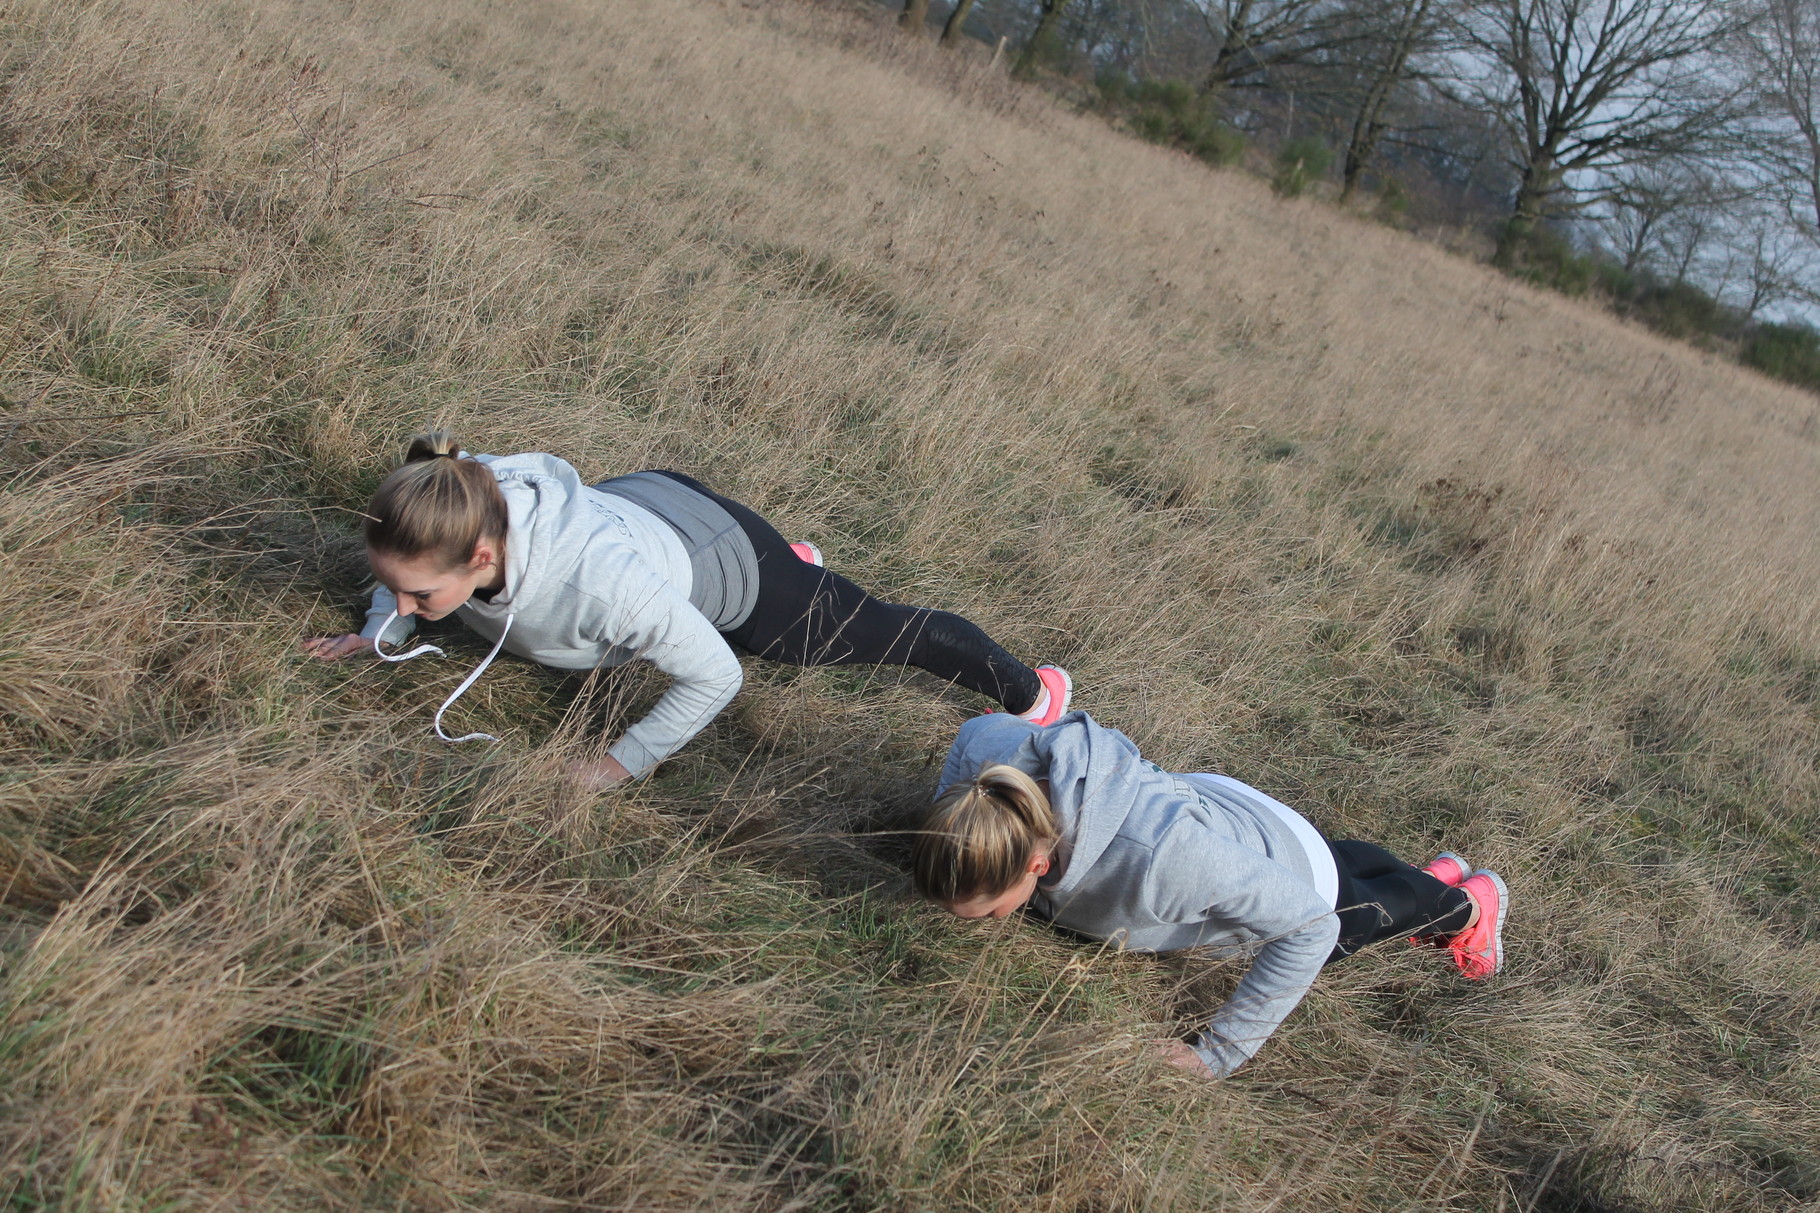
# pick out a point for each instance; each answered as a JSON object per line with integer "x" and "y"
{"x": 1432, "y": 556}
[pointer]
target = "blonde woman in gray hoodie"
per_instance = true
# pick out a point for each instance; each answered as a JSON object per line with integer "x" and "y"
{"x": 1071, "y": 822}
{"x": 653, "y": 565}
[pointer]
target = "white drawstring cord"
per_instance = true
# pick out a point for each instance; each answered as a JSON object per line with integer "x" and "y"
{"x": 421, "y": 649}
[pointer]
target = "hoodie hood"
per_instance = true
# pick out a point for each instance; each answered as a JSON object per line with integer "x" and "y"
{"x": 1085, "y": 763}
{"x": 542, "y": 495}
{"x": 577, "y": 561}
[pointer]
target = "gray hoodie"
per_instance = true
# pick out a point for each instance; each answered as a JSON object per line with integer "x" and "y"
{"x": 1156, "y": 862}
{"x": 596, "y": 580}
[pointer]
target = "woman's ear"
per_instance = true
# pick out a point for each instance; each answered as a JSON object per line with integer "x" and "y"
{"x": 486, "y": 555}
{"x": 1039, "y": 863}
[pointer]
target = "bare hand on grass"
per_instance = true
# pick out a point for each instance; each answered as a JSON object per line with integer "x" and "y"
{"x": 1183, "y": 1058}
{"x": 334, "y": 648}
{"x": 599, "y": 775}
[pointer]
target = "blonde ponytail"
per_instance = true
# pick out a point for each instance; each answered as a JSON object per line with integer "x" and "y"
{"x": 978, "y": 837}
{"x": 437, "y": 503}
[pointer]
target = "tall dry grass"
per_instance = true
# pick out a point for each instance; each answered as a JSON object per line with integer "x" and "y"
{"x": 1436, "y": 558}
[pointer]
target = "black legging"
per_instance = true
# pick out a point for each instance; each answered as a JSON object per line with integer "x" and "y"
{"x": 806, "y": 615}
{"x": 1381, "y": 896}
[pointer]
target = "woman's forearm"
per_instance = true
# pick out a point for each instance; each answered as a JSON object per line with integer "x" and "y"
{"x": 683, "y": 711}
{"x": 382, "y": 605}
{"x": 1279, "y": 979}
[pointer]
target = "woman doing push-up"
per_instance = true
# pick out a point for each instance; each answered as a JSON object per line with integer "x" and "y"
{"x": 652, "y": 565}
{"x": 1072, "y": 822}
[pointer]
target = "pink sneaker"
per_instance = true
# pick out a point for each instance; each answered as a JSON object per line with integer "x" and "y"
{"x": 1479, "y": 949}
{"x": 1055, "y": 680}
{"x": 1449, "y": 869}
{"x": 807, "y": 552}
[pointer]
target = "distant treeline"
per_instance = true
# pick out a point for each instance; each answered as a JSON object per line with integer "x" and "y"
{"x": 1663, "y": 154}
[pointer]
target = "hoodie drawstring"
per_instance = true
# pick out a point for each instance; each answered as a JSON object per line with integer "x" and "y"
{"x": 421, "y": 649}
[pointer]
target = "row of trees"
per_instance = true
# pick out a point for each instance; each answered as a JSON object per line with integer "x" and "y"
{"x": 1680, "y": 136}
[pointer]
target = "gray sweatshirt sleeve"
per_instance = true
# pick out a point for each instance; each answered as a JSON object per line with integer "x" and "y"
{"x": 1236, "y": 886}
{"x": 383, "y": 604}
{"x": 648, "y": 616}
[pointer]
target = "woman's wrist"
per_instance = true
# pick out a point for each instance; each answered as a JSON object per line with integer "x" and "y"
{"x": 600, "y": 773}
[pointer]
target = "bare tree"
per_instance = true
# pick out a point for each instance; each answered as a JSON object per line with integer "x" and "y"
{"x": 1767, "y": 263}
{"x": 1110, "y": 33}
{"x": 1169, "y": 39}
{"x": 1641, "y": 198}
{"x": 1394, "y": 35}
{"x": 1663, "y": 215}
{"x": 1687, "y": 240}
{"x": 1250, "y": 38}
{"x": 1782, "y": 49}
{"x": 915, "y": 15}
{"x": 957, "y": 20}
{"x": 1043, "y": 38}
{"x": 1583, "y": 86}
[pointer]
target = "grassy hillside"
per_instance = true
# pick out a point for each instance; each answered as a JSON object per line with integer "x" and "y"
{"x": 1435, "y": 558}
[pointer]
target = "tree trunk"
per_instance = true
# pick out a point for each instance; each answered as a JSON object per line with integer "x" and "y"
{"x": 1229, "y": 50}
{"x": 1232, "y": 45}
{"x": 1367, "y": 129}
{"x": 1042, "y": 38}
{"x": 1359, "y": 152}
{"x": 1525, "y": 214}
{"x": 951, "y": 32}
{"x": 1638, "y": 246}
{"x": 915, "y": 15}
{"x": 1368, "y": 124}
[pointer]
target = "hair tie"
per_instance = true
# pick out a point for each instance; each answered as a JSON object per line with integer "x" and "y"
{"x": 447, "y": 455}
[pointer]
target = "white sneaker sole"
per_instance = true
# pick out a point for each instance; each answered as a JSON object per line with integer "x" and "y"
{"x": 1497, "y": 931}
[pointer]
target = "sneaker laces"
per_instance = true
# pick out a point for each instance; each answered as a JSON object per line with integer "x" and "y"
{"x": 459, "y": 691}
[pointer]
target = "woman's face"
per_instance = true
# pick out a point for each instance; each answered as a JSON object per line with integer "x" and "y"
{"x": 425, "y": 589}
{"x": 996, "y": 906}
{"x": 999, "y": 905}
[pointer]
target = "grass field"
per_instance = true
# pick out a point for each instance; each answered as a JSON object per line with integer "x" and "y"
{"x": 1438, "y": 559}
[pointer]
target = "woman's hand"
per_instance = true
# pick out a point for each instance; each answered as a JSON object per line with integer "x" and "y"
{"x": 1183, "y": 1058}
{"x": 334, "y": 648}
{"x": 598, "y": 775}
